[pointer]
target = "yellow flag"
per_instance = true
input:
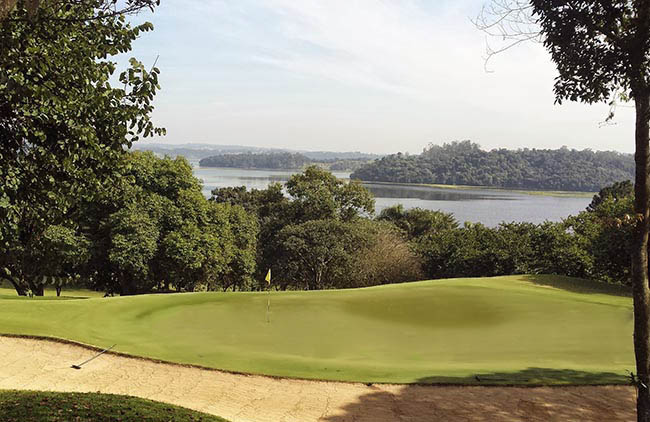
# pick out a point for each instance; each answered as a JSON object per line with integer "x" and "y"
{"x": 268, "y": 277}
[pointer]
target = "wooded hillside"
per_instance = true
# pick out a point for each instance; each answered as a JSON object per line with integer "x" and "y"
{"x": 465, "y": 163}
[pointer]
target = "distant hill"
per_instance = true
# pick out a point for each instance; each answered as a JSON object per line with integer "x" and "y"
{"x": 195, "y": 151}
{"x": 464, "y": 163}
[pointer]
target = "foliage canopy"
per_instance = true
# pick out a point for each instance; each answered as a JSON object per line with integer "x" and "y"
{"x": 64, "y": 128}
{"x": 464, "y": 163}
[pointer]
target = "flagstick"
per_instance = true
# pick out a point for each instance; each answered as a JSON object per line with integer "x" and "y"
{"x": 268, "y": 307}
{"x": 268, "y": 300}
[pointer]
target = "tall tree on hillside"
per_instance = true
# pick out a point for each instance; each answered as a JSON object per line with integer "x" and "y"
{"x": 602, "y": 52}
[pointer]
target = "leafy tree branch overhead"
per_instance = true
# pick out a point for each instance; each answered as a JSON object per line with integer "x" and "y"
{"x": 42, "y": 9}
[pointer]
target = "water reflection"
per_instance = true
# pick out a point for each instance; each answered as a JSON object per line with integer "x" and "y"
{"x": 436, "y": 194}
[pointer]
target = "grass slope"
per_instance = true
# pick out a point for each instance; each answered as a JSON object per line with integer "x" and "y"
{"x": 31, "y": 406}
{"x": 510, "y": 330}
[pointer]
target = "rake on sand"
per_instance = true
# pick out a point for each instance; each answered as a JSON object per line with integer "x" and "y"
{"x": 94, "y": 357}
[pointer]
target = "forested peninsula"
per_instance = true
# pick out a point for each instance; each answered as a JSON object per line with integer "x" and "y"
{"x": 283, "y": 160}
{"x": 465, "y": 163}
{"x": 280, "y": 161}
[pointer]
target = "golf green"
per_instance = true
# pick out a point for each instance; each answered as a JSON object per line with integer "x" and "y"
{"x": 501, "y": 330}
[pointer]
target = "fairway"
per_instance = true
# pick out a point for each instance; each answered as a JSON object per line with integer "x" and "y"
{"x": 510, "y": 330}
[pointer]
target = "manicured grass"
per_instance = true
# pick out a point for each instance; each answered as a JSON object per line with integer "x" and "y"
{"x": 31, "y": 406}
{"x": 506, "y": 330}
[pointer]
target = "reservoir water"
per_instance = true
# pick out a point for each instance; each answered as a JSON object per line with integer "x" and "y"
{"x": 486, "y": 206}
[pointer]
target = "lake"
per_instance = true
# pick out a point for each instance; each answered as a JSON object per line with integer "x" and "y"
{"x": 486, "y": 206}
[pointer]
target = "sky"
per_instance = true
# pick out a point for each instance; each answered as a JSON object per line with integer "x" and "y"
{"x": 376, "y": 76}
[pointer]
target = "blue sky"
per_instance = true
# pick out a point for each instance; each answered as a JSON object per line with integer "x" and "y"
{"x": 369, "y": 75}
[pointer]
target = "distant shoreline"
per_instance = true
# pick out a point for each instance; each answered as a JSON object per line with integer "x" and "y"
{"x": 573, "y": 194}
{"x": 558, "y": 194}
{"x": 261, "y": 168}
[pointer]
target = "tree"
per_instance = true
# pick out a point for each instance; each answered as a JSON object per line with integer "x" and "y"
{"x": 155, "y": 230}
{"x": 416, "y": 222}
{"x": 133, "y": 243}
{"x": 56, "y": 257}
{"x": 242, "y": 265}
{"x": 64, "y": 128}
{"x": 558, "y": 251}
{"x": 318, "y": 195}
{"x": 601, "y": 49}
{"x": 272, "y": 212}
{"x": 616, "y": 192}
{"x": 606, "y": 233}
{"x": 473, "y": 250}
{"x": 385, "y": 258}
{"x": 318, "y": 254}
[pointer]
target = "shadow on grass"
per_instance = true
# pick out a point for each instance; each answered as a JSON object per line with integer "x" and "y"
{"x": 533, "y": 377}
{"x": 578, "y": 285}
{"x": 495, "y": 398}
{"x": 39, "y": 298}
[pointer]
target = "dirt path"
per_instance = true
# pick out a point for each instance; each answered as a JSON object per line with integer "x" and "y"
{"x": 45, "y": 365}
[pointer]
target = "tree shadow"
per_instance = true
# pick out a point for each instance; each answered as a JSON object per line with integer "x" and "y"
{"x": 493, "y": 397}
{"x": 41, "y": 298}
{"x": 532, "y": 377}
{"x": 578, "y": 285}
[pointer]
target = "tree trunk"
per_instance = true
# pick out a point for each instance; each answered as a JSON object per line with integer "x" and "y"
{"x": 126, "y": 286}
{"x": 20, "y": 289}
{"x": 38, "y": 289}
{"x": 641, "y": 289}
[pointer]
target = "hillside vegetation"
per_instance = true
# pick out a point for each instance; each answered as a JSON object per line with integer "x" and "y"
{"x": 517, "y": 329}
{"x": 464, "y": 163}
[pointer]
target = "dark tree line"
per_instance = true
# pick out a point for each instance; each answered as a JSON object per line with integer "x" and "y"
{"x": 464, "y": 163}
{"x": 284, "y": 160}
{"x": 278, "y": 160}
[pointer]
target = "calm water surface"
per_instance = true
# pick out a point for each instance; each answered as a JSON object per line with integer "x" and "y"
{"x": 476, "y": 205}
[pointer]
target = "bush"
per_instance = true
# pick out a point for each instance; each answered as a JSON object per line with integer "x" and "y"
{"x": 388, "y": 258}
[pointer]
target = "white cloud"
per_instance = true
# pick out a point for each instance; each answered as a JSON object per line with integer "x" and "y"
{"x": 386, "y": 45}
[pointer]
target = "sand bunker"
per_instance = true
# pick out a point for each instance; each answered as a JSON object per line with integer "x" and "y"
{"x": 30, "y": 364}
